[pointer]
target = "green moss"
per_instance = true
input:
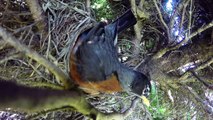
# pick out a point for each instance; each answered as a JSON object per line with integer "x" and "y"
{"x": 102, "y": 9}
{"x": 158, "y": 108}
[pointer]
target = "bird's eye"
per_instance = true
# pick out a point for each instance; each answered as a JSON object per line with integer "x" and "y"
{"x": 146, "y": 91}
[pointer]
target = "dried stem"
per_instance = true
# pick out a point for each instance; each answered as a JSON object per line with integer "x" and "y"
{"x": 37, "y": 13}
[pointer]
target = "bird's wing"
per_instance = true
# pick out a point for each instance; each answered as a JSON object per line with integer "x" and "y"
{"x": 97, "y": 56}
{"x": 125, "y": 21}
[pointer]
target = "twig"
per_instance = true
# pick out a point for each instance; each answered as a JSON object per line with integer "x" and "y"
{"x": 204, "y": 104}
{"x": 43, "y": 112}
{"x": 11, "y": 57}
{"x": 162, "y": 20}
{"x": 196, "y": 96}
{"x": 163, "y": 51}
{"x": 177, "y": 10}
{"x": 37, "y": 13}
{"x": 23, "y": 28}
{"x": 194, "y": 34}
{"x": 183, "y": 14}
{"x": 199, "y": 79}
{"x": 3, "y": 44}
{"x": 200, "y": 67}
{"x": 131, "y": 108}
{"x": 49, "y": 38}
{"x": 37, "y": 71}
{"x": 190, "y": 18}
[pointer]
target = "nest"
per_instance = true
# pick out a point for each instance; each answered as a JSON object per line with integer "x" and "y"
{"x": 65, "y": 21}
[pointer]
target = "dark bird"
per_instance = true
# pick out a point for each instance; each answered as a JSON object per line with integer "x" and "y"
{"x": 94, "y": 63}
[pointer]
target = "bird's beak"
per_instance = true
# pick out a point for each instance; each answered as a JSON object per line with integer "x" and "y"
{"x": 145, "y": 101}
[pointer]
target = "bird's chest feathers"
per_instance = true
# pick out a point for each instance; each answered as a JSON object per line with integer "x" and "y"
{"x": 110, "y": 85}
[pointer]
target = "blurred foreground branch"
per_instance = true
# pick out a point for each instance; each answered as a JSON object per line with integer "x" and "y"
{"x": 33, "y": 100}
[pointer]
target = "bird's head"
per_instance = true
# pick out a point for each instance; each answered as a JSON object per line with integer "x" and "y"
{"x": 135, "y": 82}
{"x": 140, "y": 84}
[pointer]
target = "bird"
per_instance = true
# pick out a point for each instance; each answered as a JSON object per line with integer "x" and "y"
{"x": 94, "y": 64}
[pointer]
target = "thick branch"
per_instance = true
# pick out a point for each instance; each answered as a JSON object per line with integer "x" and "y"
{"x": 37, "y": 99}
{"x": 33, "y": 100}
{"x": 137, "y": 30}
{"x": 61, "y": 76}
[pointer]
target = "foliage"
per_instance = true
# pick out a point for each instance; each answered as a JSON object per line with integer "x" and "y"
{"x": 102, "y": 9}
{"x": 158, "y": 108}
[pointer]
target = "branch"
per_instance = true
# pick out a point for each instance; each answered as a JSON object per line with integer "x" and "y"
{"x": 137, "y": 29}
{"x": 204, "y": 104}
{"x": 163, "y": 51}
{"x": 88, "y": 4}
{"x": 199, "y": 79}
{"x": 183, "y": 14}
{"x": 190, "y": 18}
{"x": 189, "y": 73}
{"x": 162, "y": 20}
{"x": 32, "y": 100}
{"x": 181, "y": 6}
{"x": 11, "y": 57}
{"x": 61, "y": 76}
{"x": 193, "y": 34}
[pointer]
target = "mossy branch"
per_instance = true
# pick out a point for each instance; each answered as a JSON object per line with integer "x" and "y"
{"x": 27, "y": 99}
{"x": 32, "y": 100}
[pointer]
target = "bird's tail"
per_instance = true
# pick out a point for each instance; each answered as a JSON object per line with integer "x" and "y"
{"x": 121, "y": 23}
{"x": 125, "y": 21}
